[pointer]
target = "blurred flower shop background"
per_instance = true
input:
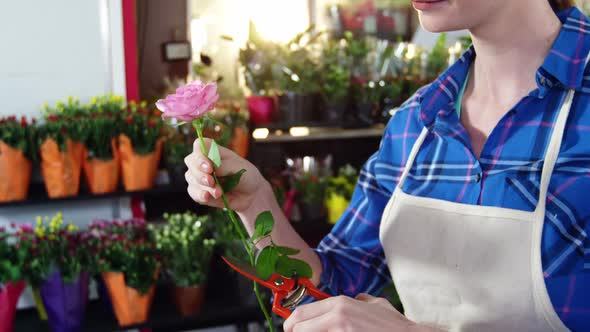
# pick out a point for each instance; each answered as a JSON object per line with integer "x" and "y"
{"x": 94, "y": 213}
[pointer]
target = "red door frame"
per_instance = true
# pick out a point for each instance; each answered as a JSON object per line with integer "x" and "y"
{"x": 130, "y": 46}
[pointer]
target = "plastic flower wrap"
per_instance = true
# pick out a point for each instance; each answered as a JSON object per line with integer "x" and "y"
{"x": 126, "y": 247}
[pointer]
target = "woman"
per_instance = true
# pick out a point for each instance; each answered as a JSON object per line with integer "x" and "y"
{"x": 475, "y": 199}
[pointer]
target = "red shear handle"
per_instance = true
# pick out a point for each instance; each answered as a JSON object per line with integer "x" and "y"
{"x": 279, "y": 296}
{"x": 277, "y": 305}
{"x": 313, "y": 290}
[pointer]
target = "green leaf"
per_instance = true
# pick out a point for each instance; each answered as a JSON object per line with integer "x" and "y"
{"x": 286, "y": 266}
{"x": 266, "y": 262}
{"x": 230, "y": 182}
{"x": 263, "y": 226}
{"x": 214, "y": 155}
{"x": 287, "y": 251}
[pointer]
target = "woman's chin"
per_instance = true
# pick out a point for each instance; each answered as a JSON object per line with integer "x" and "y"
{"x": 439, "y": 23}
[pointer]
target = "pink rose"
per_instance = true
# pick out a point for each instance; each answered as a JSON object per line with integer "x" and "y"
{"x": 190, "y": 102}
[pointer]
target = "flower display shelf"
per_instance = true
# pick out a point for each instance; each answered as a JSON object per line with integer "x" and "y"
{"x": 38, "y": 195}
{"x": 163, "y": 317}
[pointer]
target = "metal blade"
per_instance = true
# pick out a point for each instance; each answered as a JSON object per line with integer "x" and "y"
{"x": 244, "y": 269}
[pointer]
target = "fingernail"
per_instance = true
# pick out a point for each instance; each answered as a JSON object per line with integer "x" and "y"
{"x": 205, "y": 166}
{"x": 205, "y": 181}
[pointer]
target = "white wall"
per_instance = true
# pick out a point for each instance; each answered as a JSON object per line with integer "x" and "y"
{"x": 53, "y": 49}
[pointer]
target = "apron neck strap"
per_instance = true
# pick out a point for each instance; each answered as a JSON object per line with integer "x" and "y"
{"x": 554, "y": 147}
{"x": 412, "y": 157}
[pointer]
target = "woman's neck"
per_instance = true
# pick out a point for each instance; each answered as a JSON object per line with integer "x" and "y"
{"x": 511, "y": 46}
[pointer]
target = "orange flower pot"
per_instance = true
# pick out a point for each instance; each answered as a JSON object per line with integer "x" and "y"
{"x": 130, "y": 306}
{"x": 15, "y": 174}
{"x": 61, "y": 169}
{"x": 240, "y": 141}
{"x": 103, "y": 175}
{"x": 189, "y": 300}
{"x": 139, "y": 171}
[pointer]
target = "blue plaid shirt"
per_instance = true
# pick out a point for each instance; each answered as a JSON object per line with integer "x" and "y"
{"x": 506, "y": 175}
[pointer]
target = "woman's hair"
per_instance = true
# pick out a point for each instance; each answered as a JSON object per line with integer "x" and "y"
{"x": 559, "y": 5}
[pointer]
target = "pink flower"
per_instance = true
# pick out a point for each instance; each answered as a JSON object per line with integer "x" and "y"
{"x": 190, "y": 102}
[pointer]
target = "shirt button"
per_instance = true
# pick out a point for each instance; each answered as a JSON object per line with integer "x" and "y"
{"x": 477, "y": 177}
{"x": 542, "y": 80}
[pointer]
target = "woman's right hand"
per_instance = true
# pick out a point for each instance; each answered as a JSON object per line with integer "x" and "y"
{"x": 201, "y": 184}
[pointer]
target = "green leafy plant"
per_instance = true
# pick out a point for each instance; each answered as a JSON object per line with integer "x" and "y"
{"x": 126, "y": 247}
{"x": 225, "y": 235}
{"x": 103, "y": 124}
{"x": 335, "y": 72}
{"x": 176, "y": 149}
{"x": 53, "y": 245}
{"x": 143, "y": 127}
{"x": 343, "y": 184}
{"x": 13, "y": 256}
{"x": 185, "y": 248}
{"x": 258, "y": 59}
{"x": 72, "y": 117}
{"x": 312, "y": 188}
{"x": 18, "y": 134}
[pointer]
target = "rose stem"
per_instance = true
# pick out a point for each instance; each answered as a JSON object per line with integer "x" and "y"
{"x": 198, "y": 125}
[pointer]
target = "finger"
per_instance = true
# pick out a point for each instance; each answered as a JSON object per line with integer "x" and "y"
{"x": 323, "y": 323}
{"x": 312, "y": 310}
{"x": 196, "y": 161}
{"x": 199, "y": 196}
{"x": 199, "y": 178}
{"x": 214, "y": 192}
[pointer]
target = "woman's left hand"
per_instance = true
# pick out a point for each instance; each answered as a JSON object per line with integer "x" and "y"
{"x": 341, "y": 313}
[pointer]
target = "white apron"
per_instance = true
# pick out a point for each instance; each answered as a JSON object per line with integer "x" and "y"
{"x": 463, "y": 267}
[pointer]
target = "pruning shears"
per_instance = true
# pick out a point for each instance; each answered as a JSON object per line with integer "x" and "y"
{"x": 287, "y": 292}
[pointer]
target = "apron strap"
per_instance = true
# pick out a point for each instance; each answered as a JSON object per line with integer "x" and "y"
{"x": 552, "y": 153}
{"x": 412, "y": 157}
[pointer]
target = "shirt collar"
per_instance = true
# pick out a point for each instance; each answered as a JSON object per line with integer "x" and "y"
{"x": 565, "y": 63}
{"x": 563, "y": 67}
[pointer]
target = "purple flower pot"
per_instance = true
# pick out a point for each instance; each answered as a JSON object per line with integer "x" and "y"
{"x": 65, "y": 303}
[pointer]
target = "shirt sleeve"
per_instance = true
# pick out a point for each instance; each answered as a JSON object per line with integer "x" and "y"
{"x": 351, "y": 254}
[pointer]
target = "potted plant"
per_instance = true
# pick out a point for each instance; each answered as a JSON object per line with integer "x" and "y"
{"x": 339, "y": 192}
{"x": 335, "y": 77}
{"x": 12, "y": 258}
{"x": 179, "y": 144}
{"x": 56, "y": 268}
{"x": 127, "y": 259}
{"x": 16, "y": 153}
{"x": 176, "y": 149}
{"x": 230, "y": 127}
{"x": 186, "y": 248}
{"x": 102, "y": 162}
{"x": 298, "y": 80}
{"x": 60, "y": 151}
{"x": 311, "y": 190}
{"x": 140, "y": 145}
{"x": 258, "y": 60}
